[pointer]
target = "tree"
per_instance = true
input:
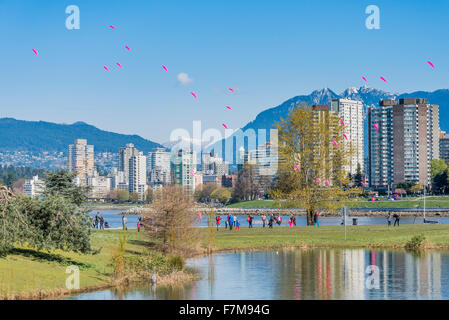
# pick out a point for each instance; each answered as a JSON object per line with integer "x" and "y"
{"x": 112, "y": 195}
{"x": 305, "y": 140}
{"x": 149, "y": 195}
{"x": 62, "y": 183}
{"x": 171, "y": 220}
{"x": 439, "y": 172}
{"x": 406, "y": 185}
{"x": 223, "y": 195}
{"x": 245, "y": 186}
{"x": 417, "y": 188}
{"x": 122, "y": 195}
{"x": 17, "y": 187}
{"x": 204, "y": 194}
{"x": 134, "y": 197}
{"x": 358, "y": 176}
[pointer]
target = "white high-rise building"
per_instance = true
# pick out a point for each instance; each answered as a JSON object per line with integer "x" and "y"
{"x": 138, "y": 174}
{"x": 184, "y": 164}
{"x": 124, "y": 154}
{"x": 34, "y": 187}
{"x": 351, "y": 112}
{"x": 100, "y": 186}
{"x": 80, "y": 158}
{"x": 158, "y": 167}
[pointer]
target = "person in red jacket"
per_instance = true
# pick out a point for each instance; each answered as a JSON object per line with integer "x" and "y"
{"x": 218, "y": 221}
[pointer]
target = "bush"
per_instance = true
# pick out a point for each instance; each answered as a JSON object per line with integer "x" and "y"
{"x": 176, "y": 262}
{"x": 416, "y": 242}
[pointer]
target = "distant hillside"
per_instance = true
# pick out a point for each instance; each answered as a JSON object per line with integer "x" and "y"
{"x": 38, "y": 136}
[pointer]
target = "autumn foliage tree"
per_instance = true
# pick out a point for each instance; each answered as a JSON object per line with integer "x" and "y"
{"x": 306, "y": 140}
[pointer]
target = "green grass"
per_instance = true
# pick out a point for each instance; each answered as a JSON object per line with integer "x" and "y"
{"x": 26, "y": 270}
{"x": 431, "y": 202}
{"x": 330, "y": 236}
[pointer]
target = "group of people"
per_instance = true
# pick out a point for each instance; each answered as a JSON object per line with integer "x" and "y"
{"x": 396, "y": 219}
{"x": 98, "y": 222}
{"x": 233, "y": 222}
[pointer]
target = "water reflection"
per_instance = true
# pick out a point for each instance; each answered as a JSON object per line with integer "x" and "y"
{"x": 306, "y": 274}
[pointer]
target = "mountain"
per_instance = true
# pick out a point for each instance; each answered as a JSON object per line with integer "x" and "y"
{"x": 38, "y": 136}
{"x": 369, "y": 96}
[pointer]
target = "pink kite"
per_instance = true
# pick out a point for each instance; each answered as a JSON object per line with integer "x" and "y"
{"x": 342, "y": 122}
{"x": 364, "y": 79}
{"x": 224, "y": 125}
{"x": 344, "y": 135}
{"x": 318, "y": 180}
{"x": 431, "y": 64}
{"x": 228, "y": 107}
{"x": 35, "y": 52}
{"x": 192, "y": 172}
{"x": 112, "y": 27}
{"x": 127, "y": 48}
{"x": 193, "y": 94}
{"x": 199, "y": 215}
{"x": 383, "y": 79}
{"x": 376, "y": 126}
{"x": 118, "y": 63}
{"x": 296, "y": 167}
{"x": 230, "y": 89}
{"x": 327, "y": 182}
{"x": 165, "y": 68}
{"x": 335, "y": 143}
{"x": 107, "y": 69}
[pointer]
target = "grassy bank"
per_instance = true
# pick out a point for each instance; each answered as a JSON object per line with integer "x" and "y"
{"x": 431, "y": 202}
{"x": 26, "y": 273}
{"x": 437, "y": 236}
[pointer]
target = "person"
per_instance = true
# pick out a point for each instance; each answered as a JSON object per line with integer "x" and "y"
{"x": 279, "y": 220}
{"x": 290, "y": 221}
{"x": 124, "y": 219}
{"x": 231, "y": 222}
{"x": 294, "y": 221}
{"x": 227, "y": 221}
{"x": 237, "y": 225}
{"x": 389, "y": 218}
{"x": 316, "y": 223}
{"x": 250, "y": 217}
{"x": 217, "y": 219}
{"x": 396, "y": 219}
{"x": 97, "y": 220}
{"x": 270, "y": 222}
{"x": 106, "y": 225}
{"x": 235, "y": 219}
{"x": 264, "y": 218}
{"x": 101, "y": 222}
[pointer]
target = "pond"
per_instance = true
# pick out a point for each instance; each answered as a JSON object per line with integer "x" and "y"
{"x": 305, "y": 274}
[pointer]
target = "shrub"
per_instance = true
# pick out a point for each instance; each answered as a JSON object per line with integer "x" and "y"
{"x": 416, "y": 242}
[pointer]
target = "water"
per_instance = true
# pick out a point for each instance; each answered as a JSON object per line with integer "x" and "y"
{"x": 114, "y": 218}
{"x": 305, "y": 274}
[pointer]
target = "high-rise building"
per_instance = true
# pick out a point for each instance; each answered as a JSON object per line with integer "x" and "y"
{"x": 80, "y": 158}
{"x": 34, "y": 187}
{"x": 212, "y": 164}
{"x": 183, "y": 164}
{"x": 402, "y": 141}
{"x": 138, "y": 174}
{"x": 351, "y": 112}
{"x": 100, "y": 186}
{"x": 158, "y": 167}
{"x": 444, "y": 146}
{"x": 124, "y": 154}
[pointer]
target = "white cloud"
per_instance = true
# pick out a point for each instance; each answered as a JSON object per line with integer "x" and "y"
{"x": 183, "y": 78}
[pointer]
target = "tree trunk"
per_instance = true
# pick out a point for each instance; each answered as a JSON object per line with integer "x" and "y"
{"x": 310, "y": 214}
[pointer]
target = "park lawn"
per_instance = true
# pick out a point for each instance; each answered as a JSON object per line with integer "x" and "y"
{"x": 431, "y": 202}
{"x": 26, "y": 270}
{"x": 330, "y": 236}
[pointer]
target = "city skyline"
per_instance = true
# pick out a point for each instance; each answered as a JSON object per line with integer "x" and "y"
{"x": 68, "y": 73}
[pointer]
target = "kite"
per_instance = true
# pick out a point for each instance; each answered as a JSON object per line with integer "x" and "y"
{"x": 127, "y": 48}
{"x": 230, "y": 89}
{"x": 335, "y": 143}
{"x": 383, "y": 79}
{"x": 224, "y": 125}
{"x": 107, "y": 69}
{"x": 342, "y": 122}
{"x": 431, "y": 64}
{"x": 228, "y": 107}
{"x": 112, "y": 27}
{"x": 165, "y": 68}
{"x": 327, "y": 182}
{"x": 344, "y": 135}
{"x": 118, "y": 63}
{"x": 296, "y": 167}
{"x": 192, "y": 172}
{"x": 318, "y": 180}
{"x": 364, "y": 79}
{"x": 376, "y": 126}
{"x": 193, "y": 94}
{"x": 35, "y": 52}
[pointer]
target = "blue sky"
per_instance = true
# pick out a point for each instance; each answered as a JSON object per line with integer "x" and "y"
{"x": 269, "y": 51}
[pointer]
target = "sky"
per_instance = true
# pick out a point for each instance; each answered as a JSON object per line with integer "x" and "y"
{"x": 267, "y": 51}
